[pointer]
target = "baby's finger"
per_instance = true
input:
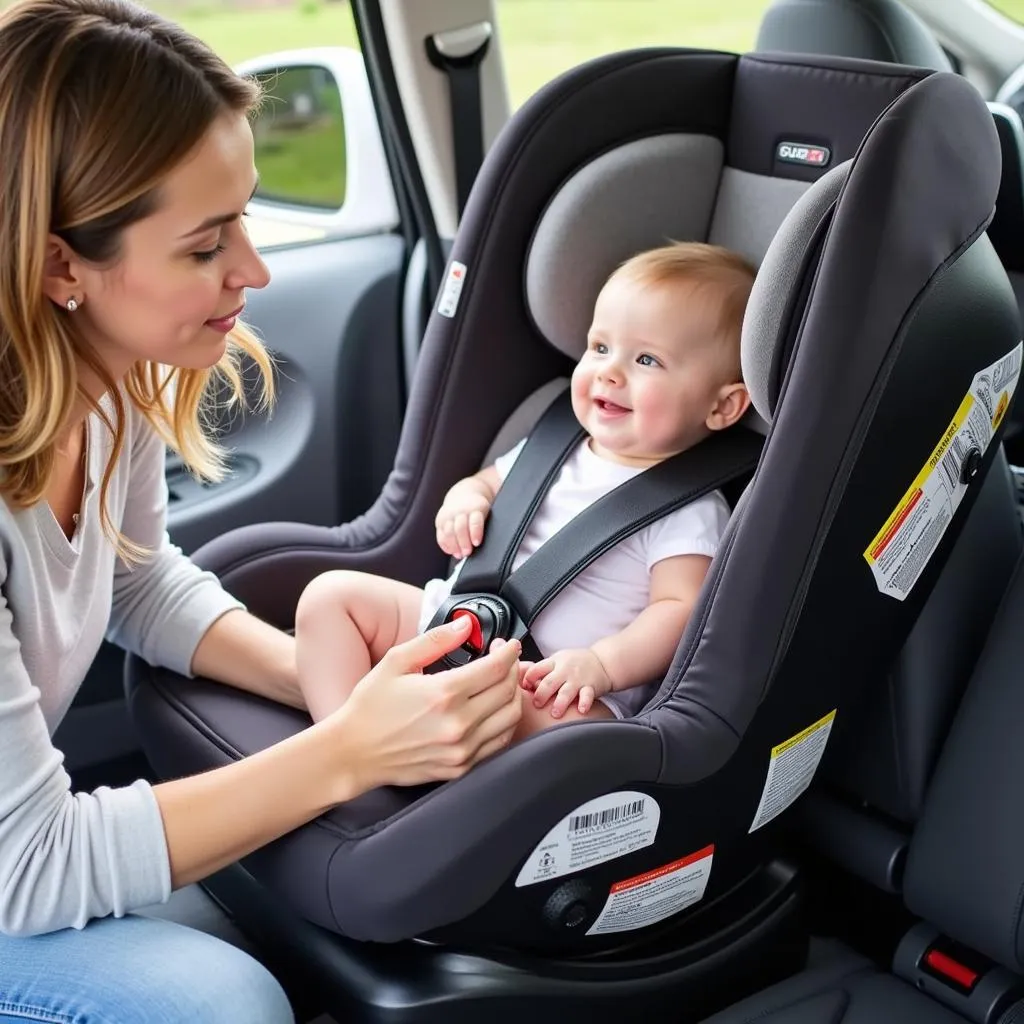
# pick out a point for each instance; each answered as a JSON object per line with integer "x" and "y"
{"x": 462, "y": 534}
{"x": 566, "y": 695}
{"x": 587, "y": 698}
{"x": 446, "y": 542}
{"x": 476, "y": 527}
{"x": 547, "y": 687}
{"x": 538, "y": 670}
{"x": 524, "y": 667}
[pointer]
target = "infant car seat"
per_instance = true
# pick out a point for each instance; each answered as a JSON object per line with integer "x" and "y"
{"x": 881, "y": 348}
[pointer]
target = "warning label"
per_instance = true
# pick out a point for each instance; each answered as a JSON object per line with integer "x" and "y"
{"x": 791, "y": 768}
{"x": 899, "y": 552}
{"x": 448, "y": 303}
{"x": 655, "y": 895}
{"x": 610, "y": 826}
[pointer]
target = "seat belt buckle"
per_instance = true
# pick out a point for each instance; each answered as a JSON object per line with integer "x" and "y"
{"x": 491, "y": 618}
{"x": 966, "y": 981}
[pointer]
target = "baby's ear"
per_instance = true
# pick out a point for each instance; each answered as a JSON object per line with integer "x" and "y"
{"x": 731, "y": 403}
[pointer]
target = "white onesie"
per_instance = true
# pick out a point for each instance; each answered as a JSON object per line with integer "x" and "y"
{"x": 612, "y": 591}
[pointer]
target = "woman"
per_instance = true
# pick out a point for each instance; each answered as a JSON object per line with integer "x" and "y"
{"x": 127, "y": 162}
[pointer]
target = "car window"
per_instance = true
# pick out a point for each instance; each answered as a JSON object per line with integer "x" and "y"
{"x": 1011, "y": 8}
{"x": 542, "y": 38}
{"x": 241, "y": 31}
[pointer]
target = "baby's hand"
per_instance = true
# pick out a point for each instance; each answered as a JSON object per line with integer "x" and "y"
{"x": 460, "y": 521}
{"x": 567, "y": 676}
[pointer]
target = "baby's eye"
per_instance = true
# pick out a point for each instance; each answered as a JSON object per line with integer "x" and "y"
{"x": 647, "y": 360}
{"x": 599, "y": 347}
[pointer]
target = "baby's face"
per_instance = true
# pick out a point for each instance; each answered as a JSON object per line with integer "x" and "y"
{"x": 652, "y": 371}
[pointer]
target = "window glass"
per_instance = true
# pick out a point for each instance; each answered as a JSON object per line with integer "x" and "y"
{"x": 241, "y": 30}
{"x": 1011, "y": 8}
{"x": 543, "y": 38}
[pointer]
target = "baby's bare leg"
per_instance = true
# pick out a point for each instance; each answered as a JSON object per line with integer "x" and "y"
{"x": 344, "y": 624}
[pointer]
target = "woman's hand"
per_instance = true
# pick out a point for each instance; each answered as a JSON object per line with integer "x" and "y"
{"x": 401, "y": 727}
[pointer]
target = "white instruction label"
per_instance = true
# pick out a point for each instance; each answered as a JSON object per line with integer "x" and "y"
{"x": 610, "y": 826}
{"x": 449, "y": 301}
{"x": 901, "y": 549}
{"x": 791, "y": 768}
{"x": 655, "y": 895}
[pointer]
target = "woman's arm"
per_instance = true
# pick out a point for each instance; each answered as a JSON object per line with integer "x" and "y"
{"x": 242, "y": 651}
{"x": 398, "y": 727}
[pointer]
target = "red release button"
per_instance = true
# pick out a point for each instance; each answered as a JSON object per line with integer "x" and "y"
{"x": 476, "y": 634}
{"x": 952, "y": 969}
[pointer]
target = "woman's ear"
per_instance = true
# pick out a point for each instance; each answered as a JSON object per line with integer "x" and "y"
{"x": 732, "y": 402}
{"x": 61, "y": 281}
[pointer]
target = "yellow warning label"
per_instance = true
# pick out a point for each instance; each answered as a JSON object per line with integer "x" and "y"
{"x": 900, "y": 550}
{"x": 892, "y": 525}
{"x": 791, "y": 768}
{"x": 801, "y": 736}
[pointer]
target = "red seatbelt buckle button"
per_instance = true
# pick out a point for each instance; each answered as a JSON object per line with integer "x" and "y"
{"x": 950, "y": 970}
{"x": 475, "y": 640}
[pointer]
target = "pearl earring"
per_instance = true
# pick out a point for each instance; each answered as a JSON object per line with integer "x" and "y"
{"x": 72, "y": 305}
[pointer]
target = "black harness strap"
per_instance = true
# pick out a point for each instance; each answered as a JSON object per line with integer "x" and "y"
{"x": 622, "y": 512}
{"x": 549, "y": 444}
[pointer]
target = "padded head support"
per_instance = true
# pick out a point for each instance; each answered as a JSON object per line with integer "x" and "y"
{"x": 894, "y": 302}
{"x": 882, "y": 30}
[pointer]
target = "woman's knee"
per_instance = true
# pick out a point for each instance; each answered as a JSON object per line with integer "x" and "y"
{"x": 138, "y": 969}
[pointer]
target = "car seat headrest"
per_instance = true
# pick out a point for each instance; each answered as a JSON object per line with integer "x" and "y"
{"x": 674, "y": 187}
{"x": 762, "y": 348}
{"x": 882, "y": 30}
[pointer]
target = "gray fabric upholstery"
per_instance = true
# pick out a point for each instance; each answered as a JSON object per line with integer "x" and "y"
{"x": 779, "y": 271}
{"x": 635, "y": 197}
{"x": 749, "y": 210}
{"x": 873, "y": 29}
{"x": 525, "y": 417}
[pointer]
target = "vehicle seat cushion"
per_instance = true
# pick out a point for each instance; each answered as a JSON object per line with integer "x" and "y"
{"x": 851, "y": 991}
{"x": 881, "y": 30}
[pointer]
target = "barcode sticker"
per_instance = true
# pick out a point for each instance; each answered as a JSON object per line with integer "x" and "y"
{"x": 579, "y": 822}
{"x": 600, "y": 830}
{"x": 899, "y": 552}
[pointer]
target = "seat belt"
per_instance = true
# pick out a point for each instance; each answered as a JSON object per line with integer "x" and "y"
{"x": 505, "y": 603}
{"x": 458, "y": 54}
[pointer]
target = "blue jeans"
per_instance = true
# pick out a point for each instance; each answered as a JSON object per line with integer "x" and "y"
{"x": 134, "y": 970}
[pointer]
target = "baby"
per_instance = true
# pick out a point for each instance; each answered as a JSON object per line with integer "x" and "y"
{"x": 660, "y": 372}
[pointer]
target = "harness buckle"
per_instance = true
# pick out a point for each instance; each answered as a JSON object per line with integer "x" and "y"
{"x": 492, "y": 617}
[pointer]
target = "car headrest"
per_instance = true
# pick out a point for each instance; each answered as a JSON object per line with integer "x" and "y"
{"x": 870, "y": 29}
{"x": 683, "y": 186}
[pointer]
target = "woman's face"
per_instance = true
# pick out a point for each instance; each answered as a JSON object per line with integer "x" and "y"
{"x": 173, "y": 294}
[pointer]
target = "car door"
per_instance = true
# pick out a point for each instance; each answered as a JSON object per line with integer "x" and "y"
{"x": 327, "y": 220}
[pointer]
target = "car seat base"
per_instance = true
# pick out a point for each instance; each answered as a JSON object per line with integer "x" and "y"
{"x": 754, "y": 938}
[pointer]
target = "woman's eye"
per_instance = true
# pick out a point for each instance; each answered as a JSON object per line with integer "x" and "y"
{"x": 646, "y": 360}
{"x": 208, "y": 255}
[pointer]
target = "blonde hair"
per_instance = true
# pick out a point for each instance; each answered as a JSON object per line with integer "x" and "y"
{"x": 701, "y": 265}
{"x": 99, "y": 101}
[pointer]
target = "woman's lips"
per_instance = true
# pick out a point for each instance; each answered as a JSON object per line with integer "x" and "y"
{"x": 224, "y": 324}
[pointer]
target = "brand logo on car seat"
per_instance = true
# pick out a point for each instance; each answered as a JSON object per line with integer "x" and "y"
{"x": 802, "y": 153}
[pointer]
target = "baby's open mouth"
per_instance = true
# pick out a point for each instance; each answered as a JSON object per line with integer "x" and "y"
{"x": 612, "y": 408}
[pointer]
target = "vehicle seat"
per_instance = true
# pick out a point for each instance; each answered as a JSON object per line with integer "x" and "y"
{"x": 856, "y": 353}
{"x": 964, "y": 959}
{"x": 872, "y": 783}
{"x": 883, "y": 30}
